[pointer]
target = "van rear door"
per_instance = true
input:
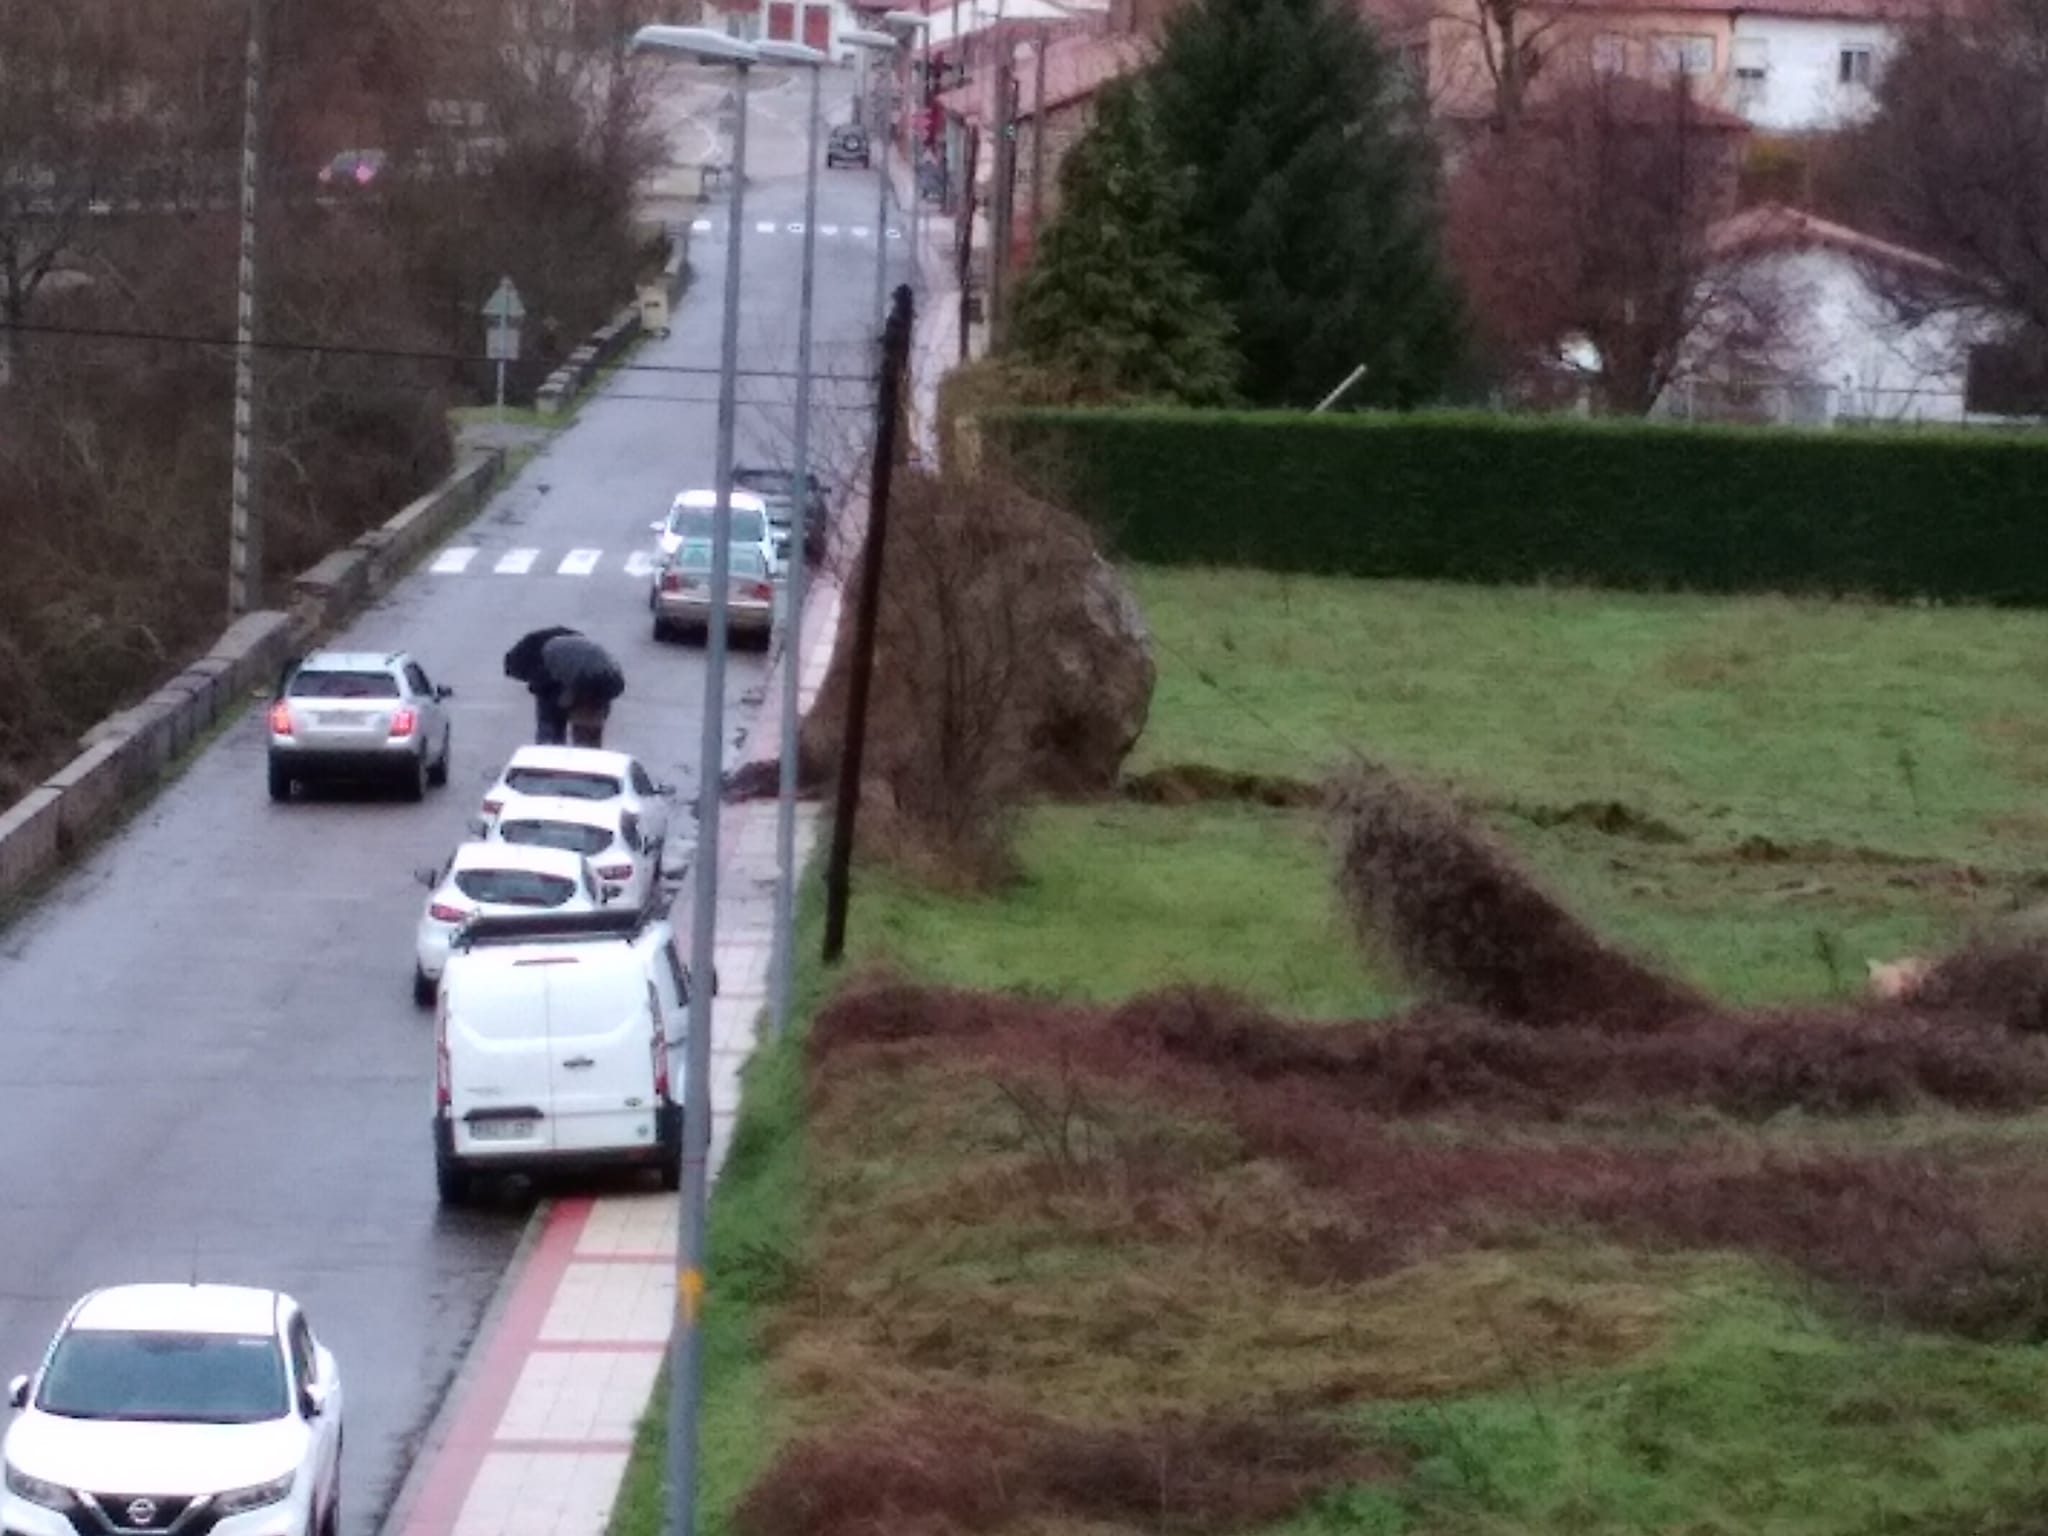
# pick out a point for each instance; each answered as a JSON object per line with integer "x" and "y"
{"x": 601, "y": 1057}
{"x": 498, "y": 1052}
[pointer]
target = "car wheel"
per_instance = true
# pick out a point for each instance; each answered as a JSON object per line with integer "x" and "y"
{"x": 416, "y": 779}
{"x": 330, "y": 1523}
{"x": 424, "y": 987}
{"x": 451, "y": 1183}
{"x": 280, "y": 782}
{"x": 663, "y": 631}
{"x": 672, "y": 1167}
{"x": 438, "y": 774}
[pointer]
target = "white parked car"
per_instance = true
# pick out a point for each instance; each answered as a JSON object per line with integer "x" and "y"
{"x": 626, "y": 861}
{"x": 584, "y": 773}
{"x": 558, "y": 1045}
{"x": 692, "y": 517}
{"x": 176, "y": 1408}
{"x": 490, "y": 879}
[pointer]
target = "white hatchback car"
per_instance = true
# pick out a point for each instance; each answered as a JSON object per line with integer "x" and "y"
{"x": 625, "y": 860}
{"x": 691, "y": 517}
{"x": 175, "y": 1408}
{"x": 583, "y": 773}
{"x": 492, "y": 879}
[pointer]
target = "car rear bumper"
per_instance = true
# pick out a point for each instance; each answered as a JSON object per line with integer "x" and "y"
{"x": 668, "y": 1140}
{"x": 396, "y": 760}
{"x": 747, "y": 618}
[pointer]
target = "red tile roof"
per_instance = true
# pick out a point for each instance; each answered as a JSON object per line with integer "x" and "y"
{"x": 1775, "y": 227}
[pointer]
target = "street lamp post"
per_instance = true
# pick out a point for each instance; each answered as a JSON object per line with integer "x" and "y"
{"x": 904, "y": 24}
{"x": 793, "y": 618}
{"x": 686, "y": 1357}
{"x": 890, "y": 43}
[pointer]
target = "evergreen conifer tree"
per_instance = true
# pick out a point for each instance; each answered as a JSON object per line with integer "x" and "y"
{"x": 1312, "y": 199}
{"x": 1112, "y": 308}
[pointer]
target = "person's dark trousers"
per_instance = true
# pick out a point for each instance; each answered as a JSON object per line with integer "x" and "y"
{"x": 550, "y": 722}
{"x": 586, "y": 725}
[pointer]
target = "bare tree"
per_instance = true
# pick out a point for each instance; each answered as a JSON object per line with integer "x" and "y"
{"x": 1584, "y": 240}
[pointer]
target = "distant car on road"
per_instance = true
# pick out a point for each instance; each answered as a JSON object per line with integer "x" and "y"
{"x": 692, "y": 514}
{"x": 354, "y": 168}
{"x": 683, "y": 593}
{"x": 176, "y": 1408}
{"x": 490, "y": 880}
{"x": 582, "y": 773}
{"x": 847, "y": 146}
{"x": 777, "y": 488}
{"x": 359, "y": 715}
{"x": 625, "y": 858}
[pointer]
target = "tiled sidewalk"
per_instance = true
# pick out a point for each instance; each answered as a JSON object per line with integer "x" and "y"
{"x": 535, "y": 1437}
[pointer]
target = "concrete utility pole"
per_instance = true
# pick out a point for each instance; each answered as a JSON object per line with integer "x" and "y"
{"x": 1001, "y": 198}
{"x": 1037, "y": 142}
{"x": 888, "y": 418}
{"x": 245, "y": 530}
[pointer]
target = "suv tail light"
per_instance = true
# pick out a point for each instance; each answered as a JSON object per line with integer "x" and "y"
{"x": 760, "y": 591}
{"x": 615, "y": 872}
{"x": 442, "y": 912}
{"x": 671, "y": 581}
{"x": 493, "y": 806}
{"x": 660, "y": 1058}
{"x": 280, "y": 719}
{"x": 403, "y": 720}
{"x": 442, "y": 1095}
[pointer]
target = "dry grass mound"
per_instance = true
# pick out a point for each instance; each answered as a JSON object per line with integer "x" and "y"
{"x": 2000, "y": 977}
{"x": 958, "y": 1465}
{"x": 1457, "y": 913}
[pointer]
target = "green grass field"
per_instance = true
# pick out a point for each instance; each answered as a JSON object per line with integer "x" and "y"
{"x": 1839, "y": 782}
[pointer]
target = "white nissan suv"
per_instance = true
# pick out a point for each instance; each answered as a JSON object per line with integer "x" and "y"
{"x": 187, "y": 1410}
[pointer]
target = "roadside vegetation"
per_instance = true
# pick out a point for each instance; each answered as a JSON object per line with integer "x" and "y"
{"x": 1438, "y": 1093}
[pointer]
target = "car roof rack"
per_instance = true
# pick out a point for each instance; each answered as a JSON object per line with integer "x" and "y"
{"x": 545, "y": 927}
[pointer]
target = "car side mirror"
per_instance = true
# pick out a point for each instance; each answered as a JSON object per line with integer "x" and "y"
{"x": 427, "y": 875}
{"x": 479, "y": 826}
{"x": 17, "y": 1392}
{"x": 665, "y": 791}
{"x": 444, "y": 692}
{"x": 313, "y": 1399}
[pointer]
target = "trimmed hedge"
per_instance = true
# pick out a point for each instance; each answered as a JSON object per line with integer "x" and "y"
{"x": 1949, "y": 514}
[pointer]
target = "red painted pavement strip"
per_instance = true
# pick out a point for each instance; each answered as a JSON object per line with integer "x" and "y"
{"x": 458, "y": 1459}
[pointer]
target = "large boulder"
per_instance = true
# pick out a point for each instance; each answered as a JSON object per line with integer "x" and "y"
{"x": 1008, "y": 652}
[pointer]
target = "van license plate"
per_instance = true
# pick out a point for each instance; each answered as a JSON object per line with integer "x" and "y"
{"x": 501, "y": 1130}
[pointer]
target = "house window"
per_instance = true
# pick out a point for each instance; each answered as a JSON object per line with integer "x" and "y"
{"x": 1752, "y": 65}
{"x": 1610, "y": 53}
{"x": 1854, "y": 65}
{"x": 1685, "y": 54}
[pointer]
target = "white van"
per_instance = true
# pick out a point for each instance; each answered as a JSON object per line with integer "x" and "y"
{"x": 554, "y": 1038}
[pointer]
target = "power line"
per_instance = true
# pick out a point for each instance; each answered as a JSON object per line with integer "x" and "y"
{"x": 387, "y": 354}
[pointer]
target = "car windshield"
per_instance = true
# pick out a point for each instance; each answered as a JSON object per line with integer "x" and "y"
{"x": 695, "y": 523}
{"x": 514, "y": 887}
{"x": 571, "y": 835}
{"x": 169, "y": 1378}
{"x": 565, "y": 783}
{"x": 344, "y": 685}
{"x": 744, "y": 561}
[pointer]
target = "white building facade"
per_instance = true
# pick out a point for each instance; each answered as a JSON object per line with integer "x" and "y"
{"x": 1806, "y": 73}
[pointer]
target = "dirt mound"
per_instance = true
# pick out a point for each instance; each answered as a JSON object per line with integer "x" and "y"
{"x": 1198, "y": 783}
{"x": 1459, "y": 915}
{"x": 2002, "y": 977}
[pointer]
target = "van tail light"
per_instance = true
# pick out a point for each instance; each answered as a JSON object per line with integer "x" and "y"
{"x": 660, "y": 1060}
{"x": 404, "y": 720}
{"x": 442, "y": 912}
{"x": 616, "y": 872}
{"x": 443, "y": 1097}
{"x": 280, "y": 719}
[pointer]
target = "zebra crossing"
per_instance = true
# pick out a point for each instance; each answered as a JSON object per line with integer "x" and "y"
{"x": 472, "y": 560}
{"x": 855, "y": 232}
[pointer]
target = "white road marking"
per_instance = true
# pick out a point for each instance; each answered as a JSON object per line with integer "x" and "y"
{"x": 765, "y": 227}
{"x": 579, "y": 562}
{"x": 828, "y": 230}
{"x": 860, "y": 231}
{"x": 516, "y": 562}
{"x": 701, "y": 226}
{"x": 895, "y": 234}
{"x": 453, "y": 562}
{"x": 640, "y": 563}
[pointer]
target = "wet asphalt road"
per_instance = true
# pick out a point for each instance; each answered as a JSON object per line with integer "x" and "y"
{"x": 210, "y": 1063}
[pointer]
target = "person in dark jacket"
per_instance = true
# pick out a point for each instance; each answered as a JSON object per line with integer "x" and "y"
{"x": 523, "y": 664}
{"x": 588, "y": 680}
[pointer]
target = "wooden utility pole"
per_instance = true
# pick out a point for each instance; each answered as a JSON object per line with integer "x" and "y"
{"x": 888, "y": 419}
{"x": 1037, "y": 142}
{"x": 965, "y": 254}
{"x": 1001, "y": 201}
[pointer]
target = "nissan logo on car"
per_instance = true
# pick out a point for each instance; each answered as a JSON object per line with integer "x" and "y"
{"x": 142, "y": 1511}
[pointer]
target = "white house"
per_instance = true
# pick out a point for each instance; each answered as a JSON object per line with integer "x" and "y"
{"x": 1804, "y": 326}
{"x": 1801, "y": 66}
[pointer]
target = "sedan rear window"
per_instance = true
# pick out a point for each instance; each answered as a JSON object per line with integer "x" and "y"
{"x": 564, "y": 783}
{"x": 697, "y": 523}
{"x": 344, "y": 685}
{"x": 743, "y": 560}
{"x": 166, "y": 1378}
{"x": 571, "y": 835}
{"x": 514, "y": 887}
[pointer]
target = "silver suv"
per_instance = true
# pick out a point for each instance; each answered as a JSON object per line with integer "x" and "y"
{"x": 359, "y": 715}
